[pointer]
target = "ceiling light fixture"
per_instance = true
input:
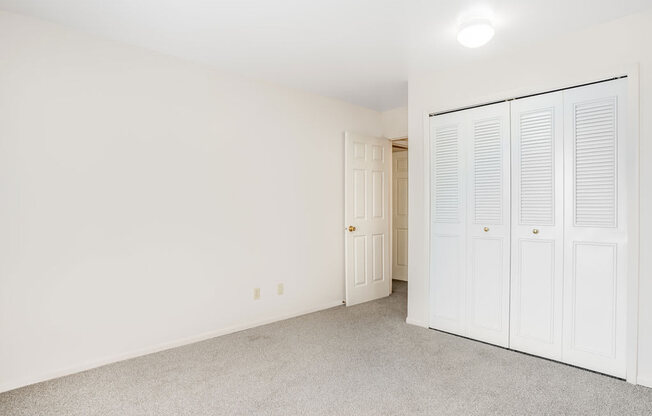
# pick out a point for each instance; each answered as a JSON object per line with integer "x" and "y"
{"x": 475, "y": 33}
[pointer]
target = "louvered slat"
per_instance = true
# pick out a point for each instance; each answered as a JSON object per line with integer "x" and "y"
{"x": 446, "y": 173}
{"x": 595, "y": 163}
{"x": 537, "y": 168}
{"x": 487, "y": 172}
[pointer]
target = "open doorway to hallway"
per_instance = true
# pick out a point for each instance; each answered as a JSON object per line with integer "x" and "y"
{"x": 400, "y": 216}
{"x": 400, "y": 209}
{"x": 376, "y": 210}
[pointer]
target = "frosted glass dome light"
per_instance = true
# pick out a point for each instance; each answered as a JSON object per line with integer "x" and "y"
{"x": 475, "y": 33}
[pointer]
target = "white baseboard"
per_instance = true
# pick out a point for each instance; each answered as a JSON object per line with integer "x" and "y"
{"x": 416, "y": 322}
{"x": 644, "y": 381}
{"x": 160, "y": 347}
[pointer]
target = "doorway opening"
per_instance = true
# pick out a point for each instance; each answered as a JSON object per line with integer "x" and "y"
{"x": 376, "y": 218}
{"x": 400, "y": 216}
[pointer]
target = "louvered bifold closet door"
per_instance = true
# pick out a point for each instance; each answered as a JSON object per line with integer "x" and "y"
{"x": 537, "y": 225}
{"x": 488, "y": 224}
{"x": 595, "y": 268}
{"x": 447, "y": 223}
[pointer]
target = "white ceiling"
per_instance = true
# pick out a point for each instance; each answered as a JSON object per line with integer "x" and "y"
{"x": 360, "y": 51}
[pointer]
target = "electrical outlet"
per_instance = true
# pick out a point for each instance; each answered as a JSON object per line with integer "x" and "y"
{"x": 280, "y": 288}
{"x": 257, "y": 293}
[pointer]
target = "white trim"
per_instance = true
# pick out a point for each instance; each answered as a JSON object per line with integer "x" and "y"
{"x": 633, "y": 232}
{"x": 633, "y": 93}
{"x": 416, "y": 322}
{"x": 161, "y": 347}
{"x": 426, "y": 201}
{"x": 390, "y": 213}
{"x": 645, "y": 381}
{"x": 572, "y": 82}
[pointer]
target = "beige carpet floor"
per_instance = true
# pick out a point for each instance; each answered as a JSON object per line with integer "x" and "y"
{"x": 361, "y": 360}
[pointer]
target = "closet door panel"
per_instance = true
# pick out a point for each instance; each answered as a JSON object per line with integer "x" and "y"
{"x": 488, "y": 178}
{"x": 486, "y": 285}
{"x": 534, "y": 313}
{"x": 537, "y": 225}
{"x": 595, "y": 286}
{"x": 447, "y": 223}
{"x": 447, "y": 289}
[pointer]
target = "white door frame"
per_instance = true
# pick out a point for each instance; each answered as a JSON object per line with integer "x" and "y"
{"x": 633, "y": 208}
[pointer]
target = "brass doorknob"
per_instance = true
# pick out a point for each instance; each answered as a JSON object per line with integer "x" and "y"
{"x": 486, "y": 229}
{"x": 351, "y": 228}
{"x": 535, "y": 231}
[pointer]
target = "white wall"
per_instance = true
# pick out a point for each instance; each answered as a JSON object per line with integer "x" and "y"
{"x": 395, "y": 123}
{"x": 142, "y": 198}
{"x": 608, "y": 49}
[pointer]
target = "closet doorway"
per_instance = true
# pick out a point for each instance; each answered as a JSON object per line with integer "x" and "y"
{"x": 531, "y": 224}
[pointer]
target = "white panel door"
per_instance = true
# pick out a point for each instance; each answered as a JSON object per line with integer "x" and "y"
{"x": 595, "y": 269}
{"x": 400, "y": 215}
{"x": 448, "y": 223}
{"x": 367, "y": 172}
{"x": 537, "y": 225}
{"x": 488, "y": 223}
